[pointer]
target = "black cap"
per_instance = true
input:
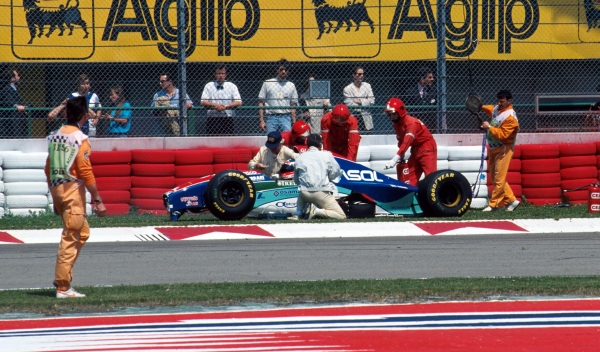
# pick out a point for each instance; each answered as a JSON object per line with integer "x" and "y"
{"x": 273, "y": 140}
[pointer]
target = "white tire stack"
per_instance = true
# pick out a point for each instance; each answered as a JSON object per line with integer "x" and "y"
{"x": 24, "y": 185}
{"x": 467, "y": 161}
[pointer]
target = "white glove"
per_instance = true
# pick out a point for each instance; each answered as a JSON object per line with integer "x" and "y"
{"x": 292, "y": 164}
{"x": 275, "y": 177}
{"x": 392, "y": 163}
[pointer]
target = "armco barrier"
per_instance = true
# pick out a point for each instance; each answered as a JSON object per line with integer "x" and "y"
{"x": 138, "y": 178}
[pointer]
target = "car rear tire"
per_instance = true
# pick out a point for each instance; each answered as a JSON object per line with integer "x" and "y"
{"x": 444, "y": 193}
{"x": 230, "y": 195}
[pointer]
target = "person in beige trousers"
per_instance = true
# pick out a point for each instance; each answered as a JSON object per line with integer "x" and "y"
{"x": 314, "y": 170}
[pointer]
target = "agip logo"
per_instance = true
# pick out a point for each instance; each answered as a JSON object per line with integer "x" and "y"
{"x": 589, "y": 20}
{"x": 341, "y": 28}
{"x": 52, "y": 29}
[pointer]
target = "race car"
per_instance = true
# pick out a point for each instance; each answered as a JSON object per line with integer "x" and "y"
{"x": 232, "y": 194}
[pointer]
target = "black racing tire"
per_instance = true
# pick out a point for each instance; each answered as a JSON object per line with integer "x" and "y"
{"x": 444, "y": 193}
{"x": 230, "y": 195}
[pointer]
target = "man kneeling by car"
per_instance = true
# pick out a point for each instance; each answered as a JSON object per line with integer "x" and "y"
{"x": 314, "y": 171}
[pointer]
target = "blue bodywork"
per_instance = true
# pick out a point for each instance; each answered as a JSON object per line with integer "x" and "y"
{"x": 392, "y": 197}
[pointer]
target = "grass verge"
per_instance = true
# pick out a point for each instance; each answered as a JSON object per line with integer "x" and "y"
{"x": 50, "y": 220}
{"x": 103, "y": 299}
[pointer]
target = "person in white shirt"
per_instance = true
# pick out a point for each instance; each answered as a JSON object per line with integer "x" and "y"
{"x": 314, "y": 171}
{"x": 278, "y": 92}
{"x": 359, "y": 93}
{"x": 220, "y": 97}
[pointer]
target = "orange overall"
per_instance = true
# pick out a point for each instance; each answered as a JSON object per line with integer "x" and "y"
{"x": 69, "y": 203}
{"x": 501, "y": 139}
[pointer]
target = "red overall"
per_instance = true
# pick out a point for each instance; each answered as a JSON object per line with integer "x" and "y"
{"x": 340, "y": 137}
{"x": 411, "y": 132}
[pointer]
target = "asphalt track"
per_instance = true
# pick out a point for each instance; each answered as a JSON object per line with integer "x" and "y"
{"x": 137, "y": 263}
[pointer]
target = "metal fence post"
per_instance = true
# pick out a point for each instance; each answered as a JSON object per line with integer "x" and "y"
{"x": 181, "y": 65}
{"x": 441, "y": 66}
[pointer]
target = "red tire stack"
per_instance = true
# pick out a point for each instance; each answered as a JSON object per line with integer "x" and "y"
{"x": 192, "y": 164}
{"x": 540, "y": 173}
{"x": 234, "y": 158}
{"x": 598, "y": 157}
{"x": 112, "y": 171}
{"x": 152, "y": 174}
{"x": 513, "y": 176}
{"x": 578, "y": 167}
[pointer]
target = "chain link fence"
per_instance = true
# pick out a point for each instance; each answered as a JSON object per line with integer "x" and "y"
{"x": 531, "y": 47}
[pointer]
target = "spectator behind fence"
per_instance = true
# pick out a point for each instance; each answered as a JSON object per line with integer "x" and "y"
{"x": 12, "y": 123}
{"x": 278, "y": 92}
{"x": 168, "y": 96}
{"x": 220, "y": 97}
{"x": 272, "y": 156}
{"x": 314, "y": 171}
{"x": 313, "y": 116}
{"x": 423, "y": 93}
{"x": 84, "y": 86}
{"x": 359, "y": 93}
{"x": 592, "y": 120}
{"x": 120, "y": 120}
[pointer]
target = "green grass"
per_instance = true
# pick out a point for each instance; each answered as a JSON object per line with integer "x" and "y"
{"x": 50, "y": 220}
{"x": 101, "y": 299}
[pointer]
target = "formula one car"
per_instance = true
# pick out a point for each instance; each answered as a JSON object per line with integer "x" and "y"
{"x": 232, "y": 194}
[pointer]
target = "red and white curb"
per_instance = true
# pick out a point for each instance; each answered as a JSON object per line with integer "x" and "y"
{"x": 314, "y": 230}
{"x": 533, "y": 326}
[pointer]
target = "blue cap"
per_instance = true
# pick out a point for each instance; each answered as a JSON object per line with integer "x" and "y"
{"x": 273, "y": 140}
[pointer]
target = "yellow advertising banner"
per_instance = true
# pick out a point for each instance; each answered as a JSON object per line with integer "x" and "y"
{"x": 299, "y": 30}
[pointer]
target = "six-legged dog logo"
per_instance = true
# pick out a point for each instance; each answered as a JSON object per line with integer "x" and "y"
{"x": 592, "y": 13}
{"x": 353, "y": 12}
{"x": 37, "y": 18}
{"x": 323, "y": 19}
{"x": 52, "y": 29}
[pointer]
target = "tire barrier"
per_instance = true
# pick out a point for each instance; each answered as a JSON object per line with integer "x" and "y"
{"x": 26, "y": 201}
{"x": 115, "y": 196}
{"x": 576, "y": 161}
{"x": 24, "y": 161}
{"x": 539, "y": 151}
{"x": 193, "y": 157}
{"x": 465, "y": 153}
{"x": 148, "y": 193}
{"x": 543, "y": 168}
{"x": 152, "y": 156}
{"x": 26, "y": 188}
{"x": 363, "y": 154}
{"x": 190, "y": 171}
{"x": 114, "y": 183}
{"x": 236, "y": 155}
{"x": 108, "y": 158}
{"x": 540, "y": 166}
{"x": 112, "y": 170}
{"x": 576, "y": 149}
{"x": 24, "y": 175}
{"x": 153, "y": 182}
{"x": 152, "y": 170}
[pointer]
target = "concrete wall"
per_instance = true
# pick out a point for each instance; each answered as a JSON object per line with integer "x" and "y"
{"x": 108, "y": 144}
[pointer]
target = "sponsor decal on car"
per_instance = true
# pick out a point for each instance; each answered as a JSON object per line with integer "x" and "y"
{"x": 256, "y": 178}
{"x": 285, "y": 183}
{"x": 361, "y": 175}
{"x": 187, "y": 199}
{"x": 285, "y": 204}
{"x": 190, "y": 203}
